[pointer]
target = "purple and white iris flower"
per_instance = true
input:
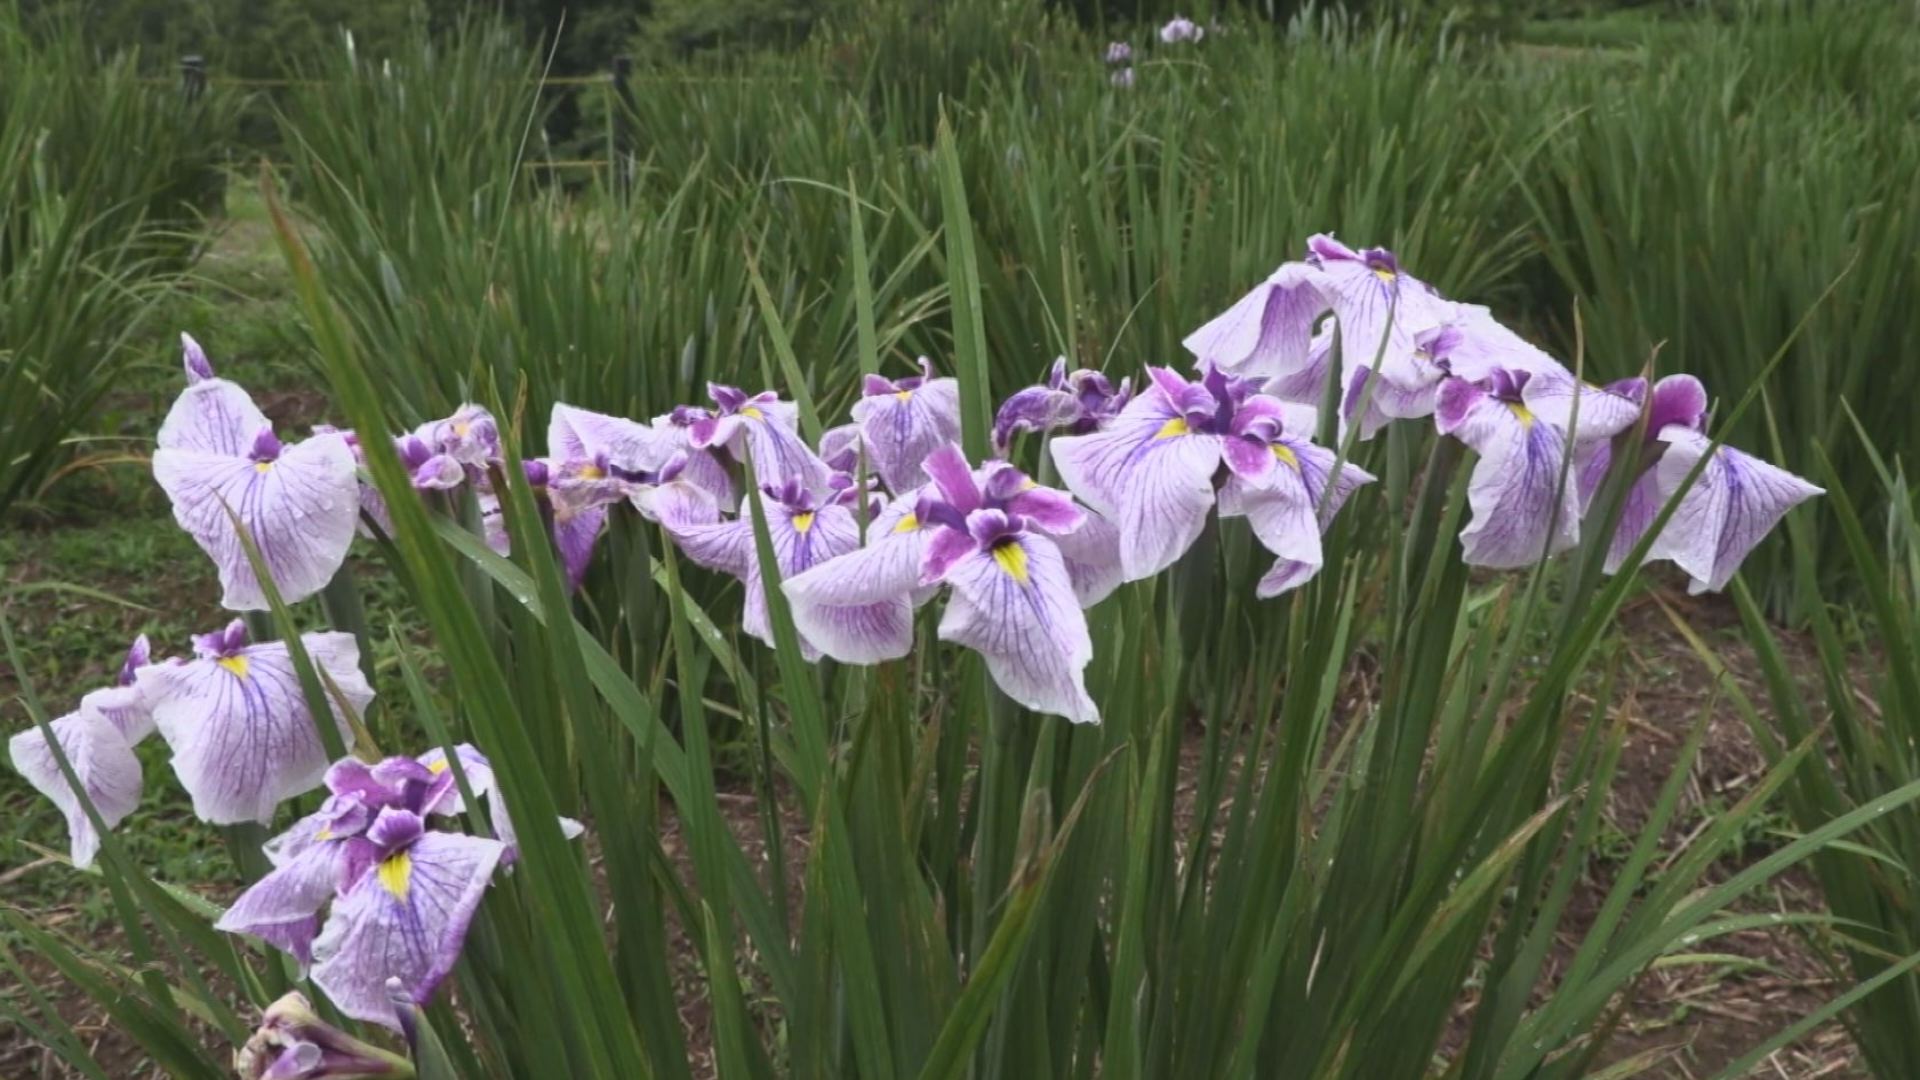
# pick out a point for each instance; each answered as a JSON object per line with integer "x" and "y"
{"x": 1285, "y": 486}
{"x": 1268, "y": 332}
{"x": 1735, "y": 501}
{"x": 901, "y": 421}
{"x": 401, "y": 895}
{"x": 1524, "y": 489}
{"x": 242, "y": 736}
{"x": 98, "y": 739}
{"x": 1079, "y": 402}
{"x": 807, "y": 527}
{"x": 1122, "y": 78}
{"x": 1180, "y": 28}
{"x": 595, "y": 460}
{"x": 704, "y": 469}
{"x": 299, "y": 503}
{"x": 1152, "y": 471}
{"x": 293, "y": 1043}
{"x": 762, "y": 426}
{"x": 1119, "y": 52}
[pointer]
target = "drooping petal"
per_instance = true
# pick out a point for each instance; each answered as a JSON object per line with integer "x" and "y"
{"x": 1471, "y": 343}
{"x": 581, "y": 435}
{"x": 574, "y": 534}
{"x": 764, "y": 431}
{"x": 300, "y": 510}
{"x": 1293, "y": 509}
{"x": 857, "y": 607}
{"x": 1381, "y": 309}
{"x": 243, "y": 740}
{"x": 901, "y": 428}
{"x": 105, "y": 765}
{"x": 1265, "y": 334}
{"x": 1523, "y": 491}
{"x": 125, "y": 708}
{"x": 1092, "y": 556}
{"x": 212, "y": 416}
{"x": 1150, "y": 475}
{"x": 283, "y": 907}
{"x": 1015, "y": 606}
{"x": 1374, "y": 403}
{"x": 406, "y": 918}
{"x": 1598, "y": 412}
{"x": 1731, "y": 507}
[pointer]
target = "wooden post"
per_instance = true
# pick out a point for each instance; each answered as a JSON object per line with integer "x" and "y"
{"x": 623, "y": 163}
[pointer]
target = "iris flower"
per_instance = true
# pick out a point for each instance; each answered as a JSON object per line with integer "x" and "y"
{"x": 894, "y": 565}
{"x": 1078, "y": 402}
{"x": 98, "y": 740}
{"x": 703, "y": 468}
{"x": 901, "y": 421}
{"x": 1119, "y": 52}
{"x": 299, "y": 503}
{"x": 1285, "y": 486}
{"x": 1516, "y": 407}
{"x": 1736, "y": 500}
{"x": 1180, "y": 28}
{"x": 243, "y": 739}
{"x": 594, "y": 461}
{"x": 763, "y": 426}
{"x": 807, "y": 527}
{"x": 1152, "y": 470}
{"x": 402, "y": 895}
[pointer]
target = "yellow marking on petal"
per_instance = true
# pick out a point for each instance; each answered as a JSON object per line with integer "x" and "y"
{"x": 802, "y": 522}
{"x": 460, "y": 429}
{"x": 235, "y": 664}
{"x": 396, "y": 874}
{"x": 752, "y": 412}
{"x": 902, "y": 395}
{"x": 262, "y": 466}
{"x": 592, "y": 472}
{"x": 1012, "y": 558}
{"x": 1172, "y": 428}
{"x": 1521, "y": 413}
{"x": 1029, "y": 484}
{"x": 1384, "y": 274}
{"x": 910, "y": 523}
{"x": 1286, "y": 456}
{"x": 323, "y": 834}
{"x": 438, "y": 767}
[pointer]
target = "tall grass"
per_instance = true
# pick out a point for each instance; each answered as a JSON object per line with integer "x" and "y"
{"x": 101, "y": 180}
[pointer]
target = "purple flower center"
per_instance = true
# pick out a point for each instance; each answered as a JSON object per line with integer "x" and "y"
{"x": 395, "y": 830}
{"x": 266, "y": 447}
{"x": 1508, "y": 385}
{"x": 221, "y": 643}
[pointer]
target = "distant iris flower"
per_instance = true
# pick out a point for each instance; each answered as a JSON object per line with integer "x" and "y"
{"x": 401, "y": 895}
{"x": 299, "y": 503}
{"x": 1123, "y": 78}
{"x": 1152, "y": 470}
{"x": 1119, "y": 52}
{"x": 1180, "y": 28}
{"x": 1736, "y": 500}
{"x": 242, "y": 737}
{"x": 1077, "y": 402}
{"x": 98, "y": 740}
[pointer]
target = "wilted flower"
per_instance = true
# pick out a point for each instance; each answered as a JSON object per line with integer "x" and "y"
{"x": 1736, "y": 500}
{"x": 402, "y": 896}
{"x": 763, "y": 426}
{"x": 243, "y": 739}
{"x": 1180, "y": 28}
{"x": 299, "y": 503}
{"x": 98, "y": 741}
{"x": 901, "y": 421}
{"x": 1152, "y": 469}
{"x": 292, "y": 1043}
{"x": 1078, "y": 402}
{"x": 1119, "y": 52}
